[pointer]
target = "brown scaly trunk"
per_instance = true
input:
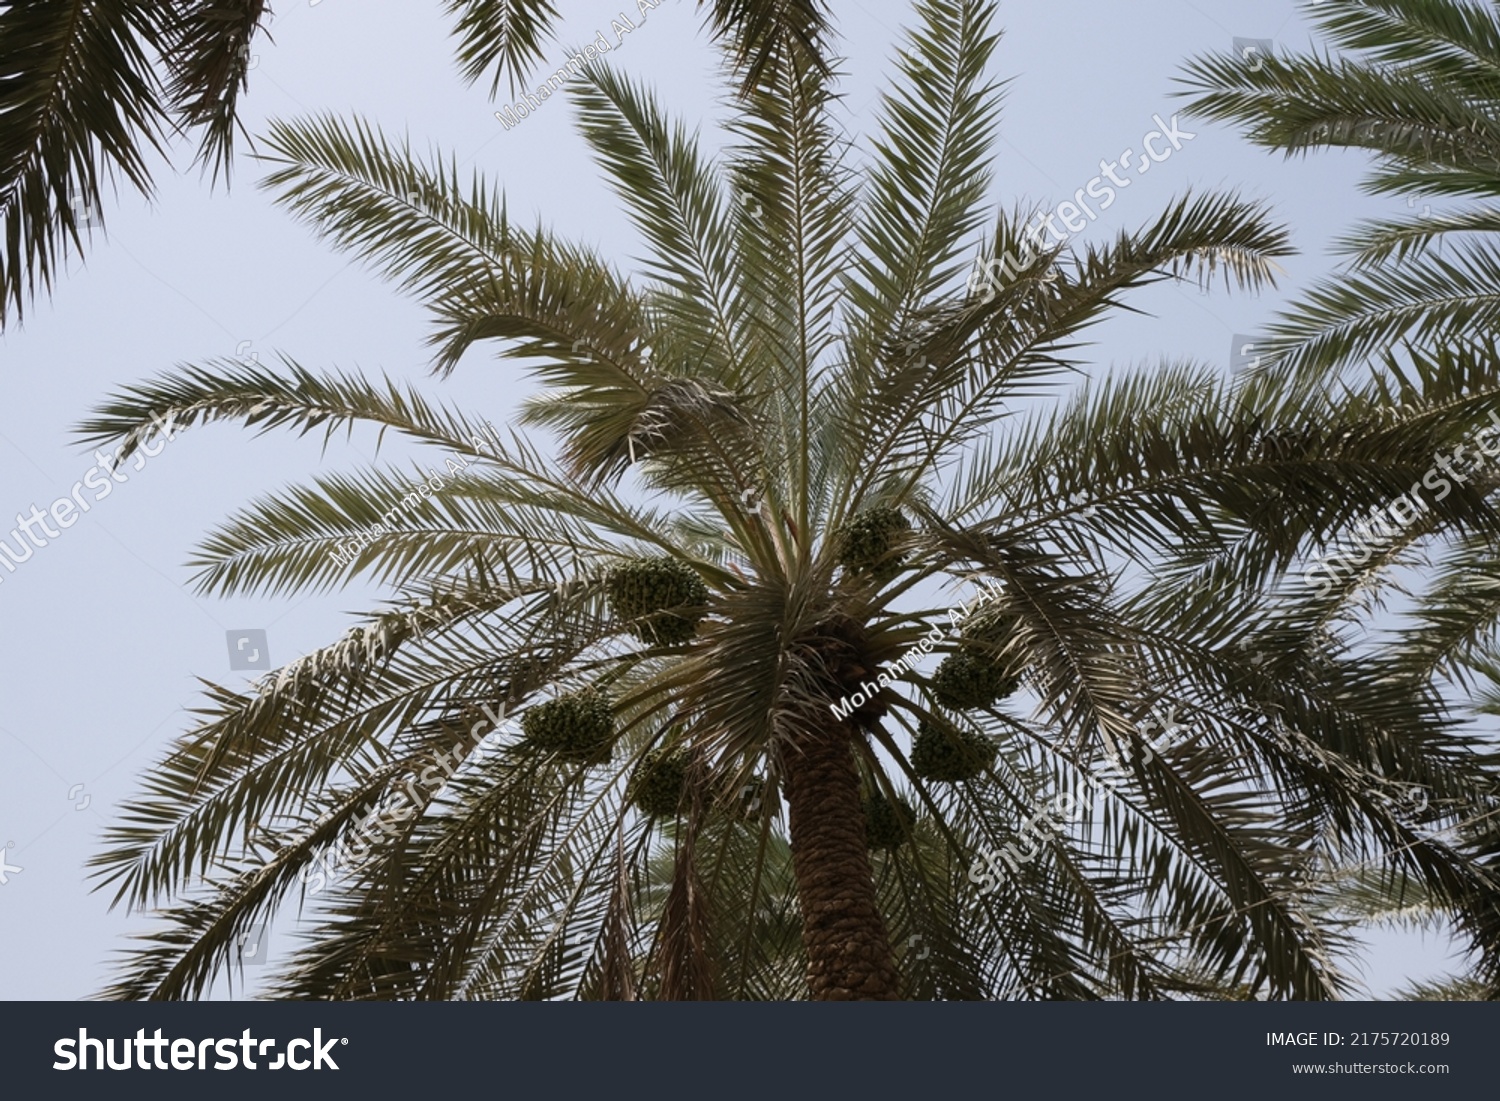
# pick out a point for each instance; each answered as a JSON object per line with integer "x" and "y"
{"x": 848, "y": 953}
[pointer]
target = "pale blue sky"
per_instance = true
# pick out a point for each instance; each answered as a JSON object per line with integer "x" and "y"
{"x": 105, "y": 642}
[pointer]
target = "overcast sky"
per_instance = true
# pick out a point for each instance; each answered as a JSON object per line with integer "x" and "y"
{"x": 105, "y": 643}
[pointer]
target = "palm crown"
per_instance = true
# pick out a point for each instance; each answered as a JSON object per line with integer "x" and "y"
{"x": 699, "y": 635}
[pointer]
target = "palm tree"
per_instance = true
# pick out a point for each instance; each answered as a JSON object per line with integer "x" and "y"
{"x": 1416, "y": 83}
{"x": 746, "y": 690}
{"x": 92, "y": 91}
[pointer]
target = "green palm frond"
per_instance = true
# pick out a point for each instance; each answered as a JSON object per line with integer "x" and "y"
{"x": 929, "y": 177}
{"x": 453, "y": 248}
{"x": 82, "y": 107}
{"x": 796, "y": 204}
{"x": 1450, "y": 39}
{"x": 483, "y": 280}
{"x": 1371, "y": 244}
{"x": 92, "y": 89}
{"x": 298, "y": 730}
{"x": 1453, "y": 988}
{"x": 762, "y": 36}
{"x": 1416, "y": 87}
{"x": 977, "y": 356}
{"x": 506, "y": 36}
{"x": 676, "y": 203}
{"x": 261, "y": 396}
{"x": 208, "y": 60}
{"x": 1429, "y": 301}
{"x": 503, "y": 35}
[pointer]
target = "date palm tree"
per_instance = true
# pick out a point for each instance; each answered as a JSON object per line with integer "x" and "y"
{"x": 92, "y": 92}
{"x": 804, "y": 586}
{"x": 1416, "y": 85}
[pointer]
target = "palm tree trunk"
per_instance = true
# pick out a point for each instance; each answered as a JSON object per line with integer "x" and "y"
{"x": 848, "y": 952}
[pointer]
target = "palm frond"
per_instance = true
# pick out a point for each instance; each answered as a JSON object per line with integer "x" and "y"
{"x": 208, "y": 60}
{"x": 82, "y": 107}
